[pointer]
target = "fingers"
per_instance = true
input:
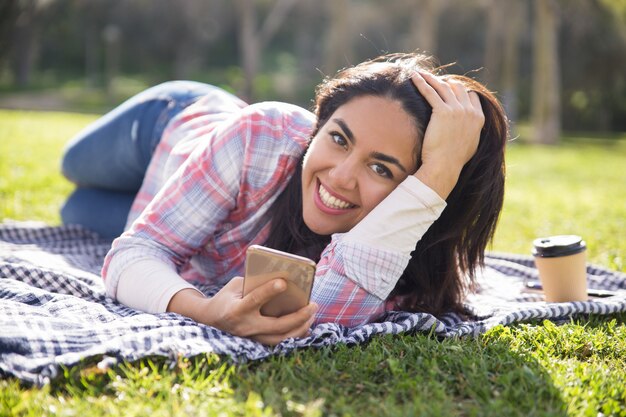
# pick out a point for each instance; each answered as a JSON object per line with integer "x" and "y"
{"x": 274, "y": 339}
{"x": 261, "y": 295}
{"x": 427, "y": 90}
{"x": 257, "y": 298}
{"x": 287, "y": 324}
{"x": 475, "y": 100}
{"x": 460, "y": 92}
{"x": 438, "y": 90}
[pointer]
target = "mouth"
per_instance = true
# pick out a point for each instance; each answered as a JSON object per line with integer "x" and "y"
{"x": 331, "y": 201}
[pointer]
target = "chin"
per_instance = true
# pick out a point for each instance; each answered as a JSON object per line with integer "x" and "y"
{"x": 318, "y": 228}
{"x": 324, "y": 229}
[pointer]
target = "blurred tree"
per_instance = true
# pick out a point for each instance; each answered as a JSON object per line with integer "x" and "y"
{"x": 510, "y": 62}
{"x": 505, "y": 21}
{"x": 111, "y": 35}
{"x": 9, "y": 11}
{"x": 290, "y": 42}
{"x": 425, "y": 23}
{"x": 307, "y": 46}
{"x": 252, "y": 41}
{"x": 594, "y": 65}
{"x": 546, "y": 116}
{"x": 618, "y": 11}
{"x": 338, "y": 40}
{"x": 24, "y": 41}
{"x": 172, "y": 36}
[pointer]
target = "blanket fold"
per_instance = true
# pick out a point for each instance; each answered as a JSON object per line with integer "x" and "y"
{"x": 54, "y": 311}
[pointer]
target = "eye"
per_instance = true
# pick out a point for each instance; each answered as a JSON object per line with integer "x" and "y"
{"x": 338, "y": 139}
{"x": 382, "y": 170}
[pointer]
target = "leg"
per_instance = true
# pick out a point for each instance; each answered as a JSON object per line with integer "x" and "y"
{"x": 108, "y": 160}
{"x": 114, "y": 152}
{"x": 101, "y": 211}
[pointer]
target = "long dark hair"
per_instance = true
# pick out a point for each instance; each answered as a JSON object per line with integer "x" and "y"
{"x": 443, "y": 265}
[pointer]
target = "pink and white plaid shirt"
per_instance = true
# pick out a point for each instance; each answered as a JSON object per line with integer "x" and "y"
{"x": 218, "y": 169}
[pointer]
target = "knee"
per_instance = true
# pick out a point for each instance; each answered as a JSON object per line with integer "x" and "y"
{"x": 69, "y": 162}
{"x": 75, "y": 161}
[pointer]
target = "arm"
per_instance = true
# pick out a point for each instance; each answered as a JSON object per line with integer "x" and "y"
{"x": 361, "y": 267}
{"x": 453, "y": 133}
{"x": 181, "y": 220}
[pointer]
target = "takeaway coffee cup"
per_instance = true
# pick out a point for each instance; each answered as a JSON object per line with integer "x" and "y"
{"x": 561, "y": 262}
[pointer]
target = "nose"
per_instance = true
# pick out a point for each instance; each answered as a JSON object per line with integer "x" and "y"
{"x": 344, "y": 174}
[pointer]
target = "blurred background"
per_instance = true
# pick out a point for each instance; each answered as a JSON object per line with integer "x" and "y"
{"x": 557, "y": 65}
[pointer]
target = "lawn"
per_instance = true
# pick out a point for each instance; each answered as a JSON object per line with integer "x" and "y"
{"x": 532, "y": 369}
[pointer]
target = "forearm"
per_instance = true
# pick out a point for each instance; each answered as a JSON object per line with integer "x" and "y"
{"x": 400, "y": 220}
{"x": 440, "y": 177}
{"x": 149, "y": 285}
{"x": 190, "y": 303}
{"x": 360, "y": 268}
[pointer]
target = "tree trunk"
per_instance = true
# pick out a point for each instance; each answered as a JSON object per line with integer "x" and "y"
{"x": 504, "y": 24}
{"x": 25, "y": 43}
{"x": 338, "y": 43}
{"x": 308, "y": 49}
{"x": 493, "y": 43}
{"x": 111, "y": 36}
{"x": 253, "y": 41}
{"x": 92, "y": 61}
{"x": 425, "y": 25}
{"x": 510, "y": 60}
{"x": 546, "y": 113}
{"x": 248, "y": 46}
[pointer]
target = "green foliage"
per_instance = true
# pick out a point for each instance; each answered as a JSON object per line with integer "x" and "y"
{"x": 63, "y": 40}
{"x": 533, "y": 369}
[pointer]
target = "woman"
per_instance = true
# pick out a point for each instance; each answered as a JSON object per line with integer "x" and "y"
{"x": 394, "y": 187}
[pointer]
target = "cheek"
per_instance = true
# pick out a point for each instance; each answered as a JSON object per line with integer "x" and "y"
{"x": 311, "y": 157}
{"x": 373, "y": 193}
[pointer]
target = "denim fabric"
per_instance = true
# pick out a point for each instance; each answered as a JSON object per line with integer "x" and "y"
{"x": 109, "y": 158}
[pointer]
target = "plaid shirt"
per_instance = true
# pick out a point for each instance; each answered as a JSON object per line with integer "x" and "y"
{"x": 214, "y": 176}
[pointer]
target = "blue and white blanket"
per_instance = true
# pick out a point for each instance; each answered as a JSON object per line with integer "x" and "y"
{"x": 54, "y": 312}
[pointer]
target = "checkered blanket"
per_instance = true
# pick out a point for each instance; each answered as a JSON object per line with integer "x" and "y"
{"x": 54, "y": 312}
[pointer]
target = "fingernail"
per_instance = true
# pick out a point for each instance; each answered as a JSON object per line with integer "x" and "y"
{"x": 278, "y": 285}
{"x": 313, "y": 307}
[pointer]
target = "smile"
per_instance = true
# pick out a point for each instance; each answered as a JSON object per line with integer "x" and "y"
{"x": 331, "y": 201}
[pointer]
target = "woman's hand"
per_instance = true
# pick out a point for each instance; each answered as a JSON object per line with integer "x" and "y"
{"x": 229, "y": 312}
{"x": 453, "y": 133}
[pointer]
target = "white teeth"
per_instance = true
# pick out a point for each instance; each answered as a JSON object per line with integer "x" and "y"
{"x": 331, "y": 201}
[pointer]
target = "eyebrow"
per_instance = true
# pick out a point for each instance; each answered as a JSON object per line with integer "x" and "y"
{"x": 376, "y": 155}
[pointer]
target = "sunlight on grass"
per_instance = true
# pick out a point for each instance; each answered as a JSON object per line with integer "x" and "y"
{"x": 31, "y": 143}
{"x": 576, "y": 188}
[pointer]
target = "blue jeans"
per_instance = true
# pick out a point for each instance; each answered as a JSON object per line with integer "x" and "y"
{"x": 109, "y": 158}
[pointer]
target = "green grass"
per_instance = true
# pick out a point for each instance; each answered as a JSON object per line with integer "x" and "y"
{"x": 578, "y": 369}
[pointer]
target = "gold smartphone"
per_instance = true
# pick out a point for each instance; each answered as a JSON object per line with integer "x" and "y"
{"x": 265, "y": 264}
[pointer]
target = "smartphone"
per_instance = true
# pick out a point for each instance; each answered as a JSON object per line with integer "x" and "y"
{"x": 592, "y": 292}
{"x": 265, "y": 264}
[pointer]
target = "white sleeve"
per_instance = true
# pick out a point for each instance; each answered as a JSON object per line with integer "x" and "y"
{"x": 377, "y": 250}
{"x": 401, "y": 219}
{"x": 149, "y": 285}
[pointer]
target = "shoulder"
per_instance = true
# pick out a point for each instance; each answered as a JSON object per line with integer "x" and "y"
{"x": 273, "y": 136}
{"x": 278, "y": 122}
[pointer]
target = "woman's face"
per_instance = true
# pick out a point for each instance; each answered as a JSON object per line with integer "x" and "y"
{"x": 365, "y": 149}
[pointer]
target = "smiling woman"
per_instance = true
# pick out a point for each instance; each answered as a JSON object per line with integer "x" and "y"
{"x": 393, "y": 186}
{"x": 360, "y": 155}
